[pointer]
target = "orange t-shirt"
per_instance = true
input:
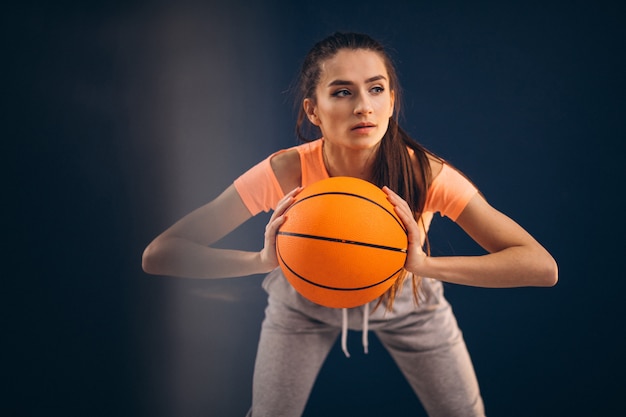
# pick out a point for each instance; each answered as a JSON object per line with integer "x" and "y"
{"x": 259, "y": 189}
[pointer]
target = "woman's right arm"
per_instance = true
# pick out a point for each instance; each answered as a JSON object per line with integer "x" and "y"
{"x": 184, "y": 250}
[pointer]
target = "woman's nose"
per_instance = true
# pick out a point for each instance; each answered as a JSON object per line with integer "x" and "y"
{"x": 363, "y": 105}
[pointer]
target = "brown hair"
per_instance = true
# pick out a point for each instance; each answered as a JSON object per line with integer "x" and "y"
{"x": 392, "y": 165}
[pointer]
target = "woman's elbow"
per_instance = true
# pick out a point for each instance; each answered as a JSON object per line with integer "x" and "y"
{"x": 549, "y": 275}
{"x": 150, "y": 259}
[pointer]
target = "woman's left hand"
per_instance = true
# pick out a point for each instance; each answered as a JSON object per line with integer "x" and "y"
{"x": 415, "y": 253}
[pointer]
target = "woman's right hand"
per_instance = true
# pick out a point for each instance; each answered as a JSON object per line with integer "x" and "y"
{"x": 268, "y": 254}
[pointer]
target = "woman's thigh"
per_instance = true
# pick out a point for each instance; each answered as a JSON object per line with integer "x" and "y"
{"x": 429, "y": 349}
{"x": 292, "y": 349}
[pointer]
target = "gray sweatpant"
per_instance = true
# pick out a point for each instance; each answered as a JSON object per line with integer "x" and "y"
{"x": 424, "y": 341}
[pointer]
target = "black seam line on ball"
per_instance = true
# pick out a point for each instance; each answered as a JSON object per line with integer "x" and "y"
{"x": 350, "y": 195}
{"x": 349, "y": 242}
{"x": 336, "y": 288}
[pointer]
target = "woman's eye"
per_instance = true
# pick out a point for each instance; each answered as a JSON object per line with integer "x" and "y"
{"x": 341, "y": 93}
{"x": 377, "y": 90}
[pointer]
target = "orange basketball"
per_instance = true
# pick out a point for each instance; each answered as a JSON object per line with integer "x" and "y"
{"x": 342, "y": 244}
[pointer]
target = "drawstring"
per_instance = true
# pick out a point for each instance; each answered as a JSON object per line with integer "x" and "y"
{"x": 344, "y": 330}
{"x": 344, "y": 333}
{"x": 366, "y": 320}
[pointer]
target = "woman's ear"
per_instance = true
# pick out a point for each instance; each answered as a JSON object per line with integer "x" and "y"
{"x": 311, "y": 111}
{"x": 392, "y": 94}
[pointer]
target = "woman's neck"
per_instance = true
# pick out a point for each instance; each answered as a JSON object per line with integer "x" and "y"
{"x": 343, "y": 161}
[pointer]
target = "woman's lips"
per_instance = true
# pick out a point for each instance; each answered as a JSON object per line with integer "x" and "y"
{"x": 363, "y": 127}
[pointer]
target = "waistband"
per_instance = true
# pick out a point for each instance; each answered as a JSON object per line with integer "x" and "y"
{"x": 363, "y": 318}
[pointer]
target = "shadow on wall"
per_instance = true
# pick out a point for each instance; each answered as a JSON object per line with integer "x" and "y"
{"x": 206, "y": 103}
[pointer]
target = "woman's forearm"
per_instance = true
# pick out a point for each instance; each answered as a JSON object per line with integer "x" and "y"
{"x": 511, "y": 267}
{"x": 179, "y": 257}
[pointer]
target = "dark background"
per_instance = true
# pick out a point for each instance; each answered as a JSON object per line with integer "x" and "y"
{"x": 120, "y": 117}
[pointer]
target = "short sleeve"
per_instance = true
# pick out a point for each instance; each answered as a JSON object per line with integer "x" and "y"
{"x": 449, "y": 193}
{"x": 258, "y": 187}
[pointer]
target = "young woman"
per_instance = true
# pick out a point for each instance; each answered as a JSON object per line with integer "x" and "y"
{"x": 350, "y": 91}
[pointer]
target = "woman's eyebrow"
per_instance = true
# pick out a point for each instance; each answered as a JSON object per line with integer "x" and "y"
{"x": 344, "y": 82}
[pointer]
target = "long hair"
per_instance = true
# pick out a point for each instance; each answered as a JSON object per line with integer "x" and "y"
{"x": 392, "y": 163}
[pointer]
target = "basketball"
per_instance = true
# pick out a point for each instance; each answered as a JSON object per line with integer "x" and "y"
{"x": 342, "y": 244}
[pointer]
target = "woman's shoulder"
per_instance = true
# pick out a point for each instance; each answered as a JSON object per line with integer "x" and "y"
{"x": 285, "y": 162}
{"x": 436, "y": 165}
{"x": 287, "y": 169}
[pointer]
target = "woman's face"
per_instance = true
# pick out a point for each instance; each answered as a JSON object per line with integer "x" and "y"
{"x": 353, "y": 101}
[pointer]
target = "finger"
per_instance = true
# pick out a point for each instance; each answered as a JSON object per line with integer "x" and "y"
{"x": 278, "y": 217}
{"x": 286, "y": 201}
{"x": 400, "y": 205}
{"x": 391, "y": 194}
{"x": 280, "y": 209}
{"x": 291, "y": 194}
{"x": 295, "y": 191}
{"x": 394, "y": 198}
{"x": 405, "y": 214}
{"x": 272, "y": 227}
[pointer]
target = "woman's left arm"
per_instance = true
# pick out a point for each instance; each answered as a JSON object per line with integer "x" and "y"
{"x": 514, "y": 258}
